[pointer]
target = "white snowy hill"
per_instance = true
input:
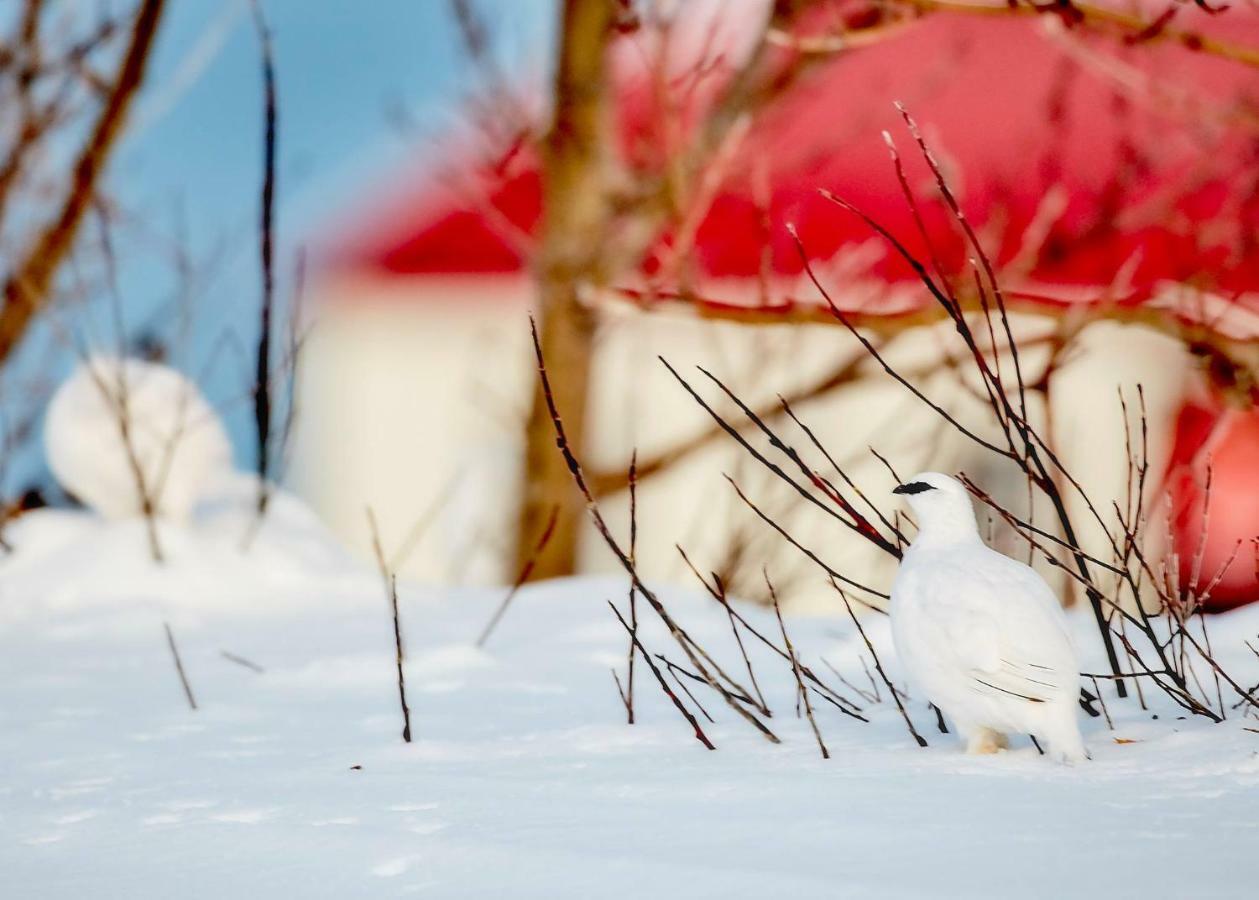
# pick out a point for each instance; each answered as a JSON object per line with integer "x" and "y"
{"x": 524, "y": 779}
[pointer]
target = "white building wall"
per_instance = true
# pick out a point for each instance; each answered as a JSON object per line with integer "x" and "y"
{"x": 413, "y": 401}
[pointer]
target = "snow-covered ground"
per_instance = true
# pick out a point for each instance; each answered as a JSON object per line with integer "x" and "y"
{"x": 524, "y": 780}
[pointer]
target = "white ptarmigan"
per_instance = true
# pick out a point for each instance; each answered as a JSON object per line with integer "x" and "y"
{"x": 981, "y": 635}
{"x": 174, "y": 437}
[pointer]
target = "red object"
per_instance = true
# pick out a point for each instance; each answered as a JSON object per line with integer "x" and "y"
{"x": 1156, "y": 185}
{"x": 1225, "y": 446}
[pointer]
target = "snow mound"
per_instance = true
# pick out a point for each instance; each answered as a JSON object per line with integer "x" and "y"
{"x": 66, "y": 562}
{"x": 116, "y": 423}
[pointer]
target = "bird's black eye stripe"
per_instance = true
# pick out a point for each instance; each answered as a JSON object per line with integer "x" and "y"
{"x": 914, "y": 487}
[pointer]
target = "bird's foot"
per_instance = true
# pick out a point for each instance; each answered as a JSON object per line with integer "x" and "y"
{"x": 985, "y": 740}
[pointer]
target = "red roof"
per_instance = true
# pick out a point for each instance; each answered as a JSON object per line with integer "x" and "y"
{"x": 1157, "y": 176}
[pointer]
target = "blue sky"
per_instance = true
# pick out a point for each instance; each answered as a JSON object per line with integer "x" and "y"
{"x": 341, "y": 66}
{"x": 191, "y": 163}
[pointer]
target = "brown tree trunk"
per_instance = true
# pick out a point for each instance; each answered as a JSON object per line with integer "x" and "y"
{"x": 575, "y": 223}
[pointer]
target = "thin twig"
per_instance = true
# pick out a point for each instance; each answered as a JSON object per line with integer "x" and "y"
{"x": 864, "y": 695}
{"x": 397, "y": 645}
{"x": 664, "y": 685}
{"x": 738, "y": 639}
{"x": 922, "y": 742}
{"x": 521, "y": 578}
{"x": 677, "y": 671}
{"x": 241, "y": 661}
{"x": 633, "y": 595}
{"x": 391, "y": 592}
{"x": 836, "y": 699}
{"x": 179, "y": 666}
{"x": 801, "y": 693}
{"x": 1102, "y": 700}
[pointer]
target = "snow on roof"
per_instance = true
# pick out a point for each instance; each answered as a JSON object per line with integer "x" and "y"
{"x": 1080, "y": 160}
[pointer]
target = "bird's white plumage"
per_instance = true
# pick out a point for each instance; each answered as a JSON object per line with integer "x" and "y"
{"x": 981, "y": 635}
{"x": 175, "y": 437}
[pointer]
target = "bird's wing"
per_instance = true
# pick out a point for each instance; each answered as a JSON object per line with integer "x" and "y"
{"x": 1002, "y": 627}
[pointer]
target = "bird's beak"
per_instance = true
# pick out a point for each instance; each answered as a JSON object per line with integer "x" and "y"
{"x": 901, "y": 489}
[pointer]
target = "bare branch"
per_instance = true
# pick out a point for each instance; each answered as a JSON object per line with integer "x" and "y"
{"x": 27, "y": 289}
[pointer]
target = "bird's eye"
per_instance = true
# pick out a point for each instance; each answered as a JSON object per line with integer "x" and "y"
{"x": 913, "y": 487}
